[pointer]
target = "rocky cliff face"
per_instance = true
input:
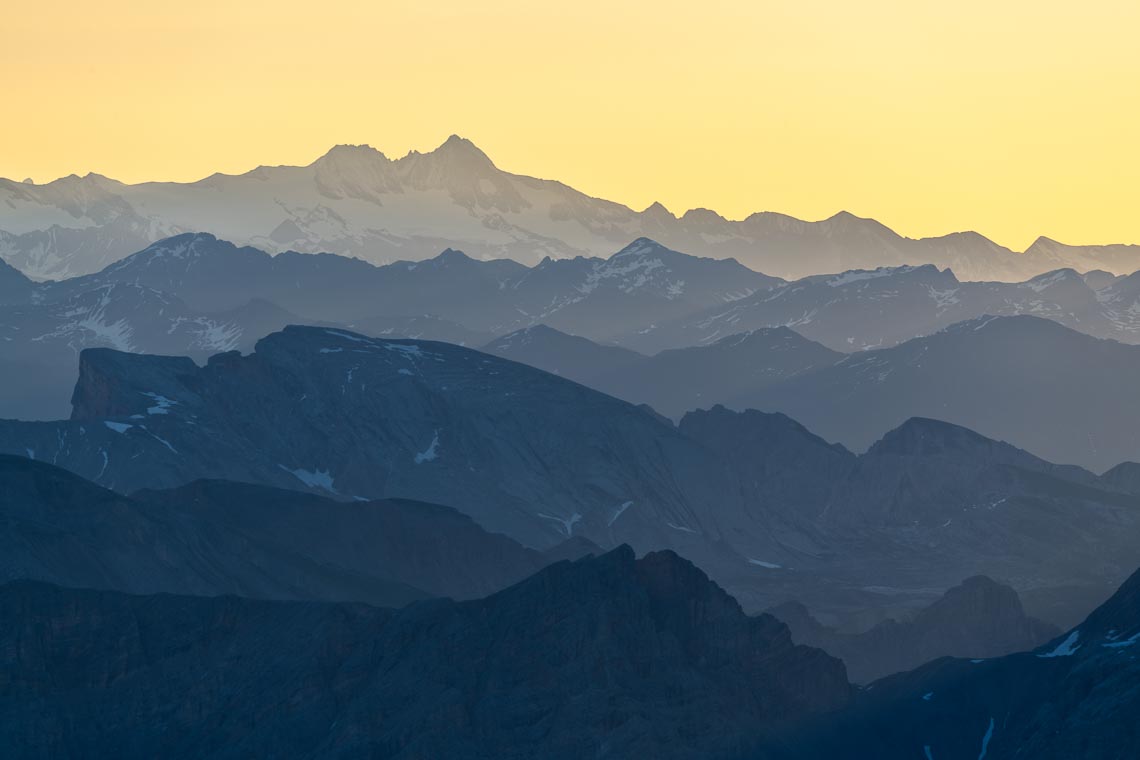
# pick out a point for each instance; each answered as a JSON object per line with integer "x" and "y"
{"x": 523, "y": 452}
{"x": 605, "y": 657}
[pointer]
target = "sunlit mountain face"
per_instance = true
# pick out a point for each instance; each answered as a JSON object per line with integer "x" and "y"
{"x": 357, "y": 202}
{"x": 600, "y": 431}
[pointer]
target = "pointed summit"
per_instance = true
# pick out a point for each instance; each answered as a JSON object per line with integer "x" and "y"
{"x": 658, "y": 213}
{"x": 640, "y": 247}
{"x": 462, "y": 151}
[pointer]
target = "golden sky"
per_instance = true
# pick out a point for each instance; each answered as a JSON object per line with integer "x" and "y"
{"x": 1012, "y": 117}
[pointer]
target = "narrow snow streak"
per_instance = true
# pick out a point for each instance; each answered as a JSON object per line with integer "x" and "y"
{"x": 618, "y": 513}
{"x": 986, "y": 740}
{"x": 431, "y": 452}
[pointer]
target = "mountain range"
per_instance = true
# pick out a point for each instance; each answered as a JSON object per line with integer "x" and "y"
{"x": 1023, "y": 379}
{"x": 1075, "y": 696}
{"x": 861, "y": 310}
{"x": 194, "y": 294}
{"x": 210, "y": 538}
{"x": 356, "y": 201}
{"x": 769, "y": 509}
{"x": 608, "y": 656}
{"x": 977, "y": 618}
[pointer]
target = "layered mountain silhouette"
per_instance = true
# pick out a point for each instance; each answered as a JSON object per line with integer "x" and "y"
{"x": 1026, "y": 380}
{"x": 769, "y": 509}
{"x": 210, "y": 538}
{"x": 977, "y": 618}
{"x": 356, "y": 201}
{"x": 673, "y": 381}
{"x": 860, "y": 310}
{"x": 1041, "y": 386}
{"x": 1073, "y": 697}
{"x": 194, "y": 294}
{"x": 40, "y": 339}
{"x": 610, "y": 656}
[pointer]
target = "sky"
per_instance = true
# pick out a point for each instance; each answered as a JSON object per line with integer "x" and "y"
{"x": 1009, "y": 117}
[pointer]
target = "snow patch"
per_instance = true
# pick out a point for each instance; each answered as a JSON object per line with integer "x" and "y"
{"x": 619, "y": 511}
{"x": 162, "y": 404}
{"x": 431, "y": 452}
{"x": 1126, "y": 643}
{"x": 986, "y": 740}
{"x": 118, "y": 427}
{"x": 1066, "y": 648}
{"x": 567, "y": 523}
{"x": 312, "y": 478}
{"x": 762, "y": 563}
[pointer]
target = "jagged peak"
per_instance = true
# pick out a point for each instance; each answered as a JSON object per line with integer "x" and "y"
{"x": 657, "y": 210}
{"x": 455, "y": 152}
{"x": 450, "y": 256}
{"x": 1043, "y": 242}
{"x": 843, "y": 221}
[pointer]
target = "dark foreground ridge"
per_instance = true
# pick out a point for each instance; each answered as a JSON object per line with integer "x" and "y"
{"x": 603, "y": 657}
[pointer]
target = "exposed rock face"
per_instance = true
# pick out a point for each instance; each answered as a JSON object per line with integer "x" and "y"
{"x": 40, "y": 338}
{"x": 605, "y": 657}
{"x": 1076, "y": 696}
{"x": 523, "y": 452}
{"x": 978, "y": 618}
{"x": 213, "y": 537}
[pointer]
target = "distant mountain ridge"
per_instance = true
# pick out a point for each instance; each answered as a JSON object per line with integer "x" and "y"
{"x": 769, "y": 509}
{"x": 1074, "y": 696}
{"x": 977, "y": 618}
{"x": 354, "y": 200}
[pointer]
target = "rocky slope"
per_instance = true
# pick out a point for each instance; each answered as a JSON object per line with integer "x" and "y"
{"x": 649, "y": 659}
{"x": 214, "y": 537}
{"x": 1076, "y": 696}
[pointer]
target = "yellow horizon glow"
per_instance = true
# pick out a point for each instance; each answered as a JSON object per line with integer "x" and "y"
{"x": 1015, "y": 119}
